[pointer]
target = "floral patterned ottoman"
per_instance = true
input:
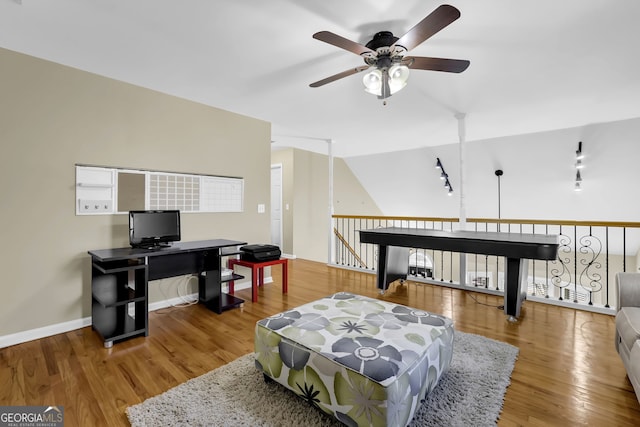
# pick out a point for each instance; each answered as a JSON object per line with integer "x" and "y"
{"x": 365, "y": 361}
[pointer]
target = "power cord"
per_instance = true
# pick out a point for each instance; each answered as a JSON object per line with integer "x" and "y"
{"x": 185, "y": 283}
{"x": 499, "y": 307}
{"x": 186, "y": 302}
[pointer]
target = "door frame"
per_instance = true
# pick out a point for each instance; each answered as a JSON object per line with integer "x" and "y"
{"x": 278, "y": 166}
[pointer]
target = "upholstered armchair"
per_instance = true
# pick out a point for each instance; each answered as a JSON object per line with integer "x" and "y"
{"x": 628, "y": 325}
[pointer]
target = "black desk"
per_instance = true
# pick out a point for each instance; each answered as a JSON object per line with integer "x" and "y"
{"x": 517, "y": 248}
{"x": 119, "y": 279}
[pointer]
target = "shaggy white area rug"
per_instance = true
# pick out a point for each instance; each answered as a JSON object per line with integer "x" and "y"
{"x": 470, "y": 394}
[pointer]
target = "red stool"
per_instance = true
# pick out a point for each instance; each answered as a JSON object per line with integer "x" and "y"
{"x": 257, "y": 274}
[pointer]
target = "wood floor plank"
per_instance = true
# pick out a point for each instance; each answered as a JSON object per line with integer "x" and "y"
{"x": 567, "y": 372}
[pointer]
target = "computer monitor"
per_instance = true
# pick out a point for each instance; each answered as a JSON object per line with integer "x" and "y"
{"x": 153, "y": 228}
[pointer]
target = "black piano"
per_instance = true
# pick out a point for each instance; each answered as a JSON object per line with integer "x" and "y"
{"x": 517, "y": 248}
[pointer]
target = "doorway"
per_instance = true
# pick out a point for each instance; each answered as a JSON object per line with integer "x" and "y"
{"x": 276, "y": 205}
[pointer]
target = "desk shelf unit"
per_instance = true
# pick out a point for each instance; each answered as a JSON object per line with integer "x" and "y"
{"x": 120, "y": 282}
{"x": 219, "y": 301}
{"x": 119, "y": 299}
{"x": 226, "y": 253}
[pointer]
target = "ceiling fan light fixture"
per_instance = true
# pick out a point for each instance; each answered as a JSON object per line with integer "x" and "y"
{"x": 398, "y": 76}
{"x": 373, "y": 81}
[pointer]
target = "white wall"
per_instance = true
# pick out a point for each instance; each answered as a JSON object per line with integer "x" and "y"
{"x": 538, "y": 178}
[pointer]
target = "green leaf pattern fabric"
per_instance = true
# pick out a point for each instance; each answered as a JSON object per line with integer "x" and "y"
{"x": 368, "y": 362}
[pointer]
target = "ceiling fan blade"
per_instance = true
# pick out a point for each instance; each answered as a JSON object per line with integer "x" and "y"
{"x": 339, "y": 76}
{"x": 434, "y": 22}
{"x": 436, "y": 64}
{"x": 342, "y": 43}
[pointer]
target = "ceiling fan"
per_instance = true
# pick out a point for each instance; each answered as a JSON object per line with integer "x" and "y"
{"x": 384, "y": 54}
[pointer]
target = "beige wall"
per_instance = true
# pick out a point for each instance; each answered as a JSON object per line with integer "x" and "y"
{"x": 311, "y": 205}
{"x": 306, "y": 191}
{"x": 52, "y": 117}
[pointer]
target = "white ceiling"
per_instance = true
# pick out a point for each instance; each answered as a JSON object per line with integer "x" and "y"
{"x": 535, "y": 64}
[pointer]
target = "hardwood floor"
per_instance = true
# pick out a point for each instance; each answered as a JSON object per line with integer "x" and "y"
{"x": 567, "y": 373}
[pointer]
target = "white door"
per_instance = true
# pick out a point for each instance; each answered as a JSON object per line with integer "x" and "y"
{"x": 276, "y": 205}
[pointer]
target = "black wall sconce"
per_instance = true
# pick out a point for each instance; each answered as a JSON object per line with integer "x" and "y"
{"x": 579, "y": 166}
{"x": 499, "y": 173}
{"x": 444, "y": 176}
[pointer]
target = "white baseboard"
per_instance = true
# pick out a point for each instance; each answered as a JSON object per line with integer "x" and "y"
{"x": 45, "y": 331}
{"x": 61, "y": 328}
